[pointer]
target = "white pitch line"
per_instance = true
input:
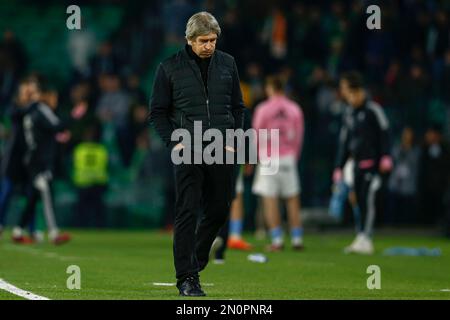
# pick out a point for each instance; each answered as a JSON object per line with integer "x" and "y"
{"x": 19, "y": 292}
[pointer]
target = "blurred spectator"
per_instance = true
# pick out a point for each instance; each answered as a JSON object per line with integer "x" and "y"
{"x": 175, "y": 14}
{"x": 81, "y": 91}
{"x": 438, "y": 41}
{"x": 298, "y": 18}
{"x": 334, "y": 63}
{"x": 137, "y": 95}
{"x": 13, "y": 64}
{"x": 393, "y": 81}
{"x": 286, "y": 74}
{"x": 90, "y": 177}
{"x": 113, "y": 107}
{"x": 234, "y": 36}
{"x": 402, "y": 185}
{"x": 433, "y": 176}
{"x": 275, "y": 34}
{"x": 14, "y": 49}
{"x": 380, "y": 47}
{"x": 132, "y": 133}
{"x": 355, "y": 38}
{"x": 81, "y": 45}
{"x": 82, "y": 94}
{"x": 314, "y": 45}
{"x": 415, "y": 91}
{"x": 104, "y": 62}
{"x": 114, "y": 102}
{"x": 253, "y": 78}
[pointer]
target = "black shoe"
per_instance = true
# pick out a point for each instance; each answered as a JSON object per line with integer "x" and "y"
{"x": 190, "y": 287}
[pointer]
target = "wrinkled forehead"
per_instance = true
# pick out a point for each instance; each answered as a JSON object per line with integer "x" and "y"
{"x": 209, "y": 37}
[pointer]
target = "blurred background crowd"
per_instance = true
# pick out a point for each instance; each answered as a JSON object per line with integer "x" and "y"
{"x": 109, "y": 66}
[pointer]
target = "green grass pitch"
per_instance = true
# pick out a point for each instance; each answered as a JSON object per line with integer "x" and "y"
{"x": 126, "y": 264}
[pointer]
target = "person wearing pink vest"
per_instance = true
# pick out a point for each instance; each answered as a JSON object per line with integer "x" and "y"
{"x": 279, "y": 112}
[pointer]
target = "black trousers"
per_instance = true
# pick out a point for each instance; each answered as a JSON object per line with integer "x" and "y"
{"x": 367, "y": 183}
{"x": 203, "y": 200}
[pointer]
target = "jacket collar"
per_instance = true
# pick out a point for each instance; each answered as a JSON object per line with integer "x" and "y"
{"x": 189, "y": 54}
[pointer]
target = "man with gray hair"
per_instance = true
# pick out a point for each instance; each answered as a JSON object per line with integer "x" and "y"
{"x": 201, "y": 84}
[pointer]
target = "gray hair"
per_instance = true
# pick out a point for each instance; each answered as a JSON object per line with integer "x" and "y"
{"x": 201, "y": 24}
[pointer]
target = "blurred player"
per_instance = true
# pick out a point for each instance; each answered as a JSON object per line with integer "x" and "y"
{"x": 279, "y": 112}
{"x": 42, "y": 129}
{"x": 343, "y": 191}
{"x": 364, "y": 141}
{"x": 13, "y": 169}
{"x": 235, "y": 240}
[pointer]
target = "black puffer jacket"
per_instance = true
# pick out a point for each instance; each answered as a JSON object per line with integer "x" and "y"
{"x": 364, "y": 134}
{"x": 40, "y": 124}
{"x": 180, "y": 96}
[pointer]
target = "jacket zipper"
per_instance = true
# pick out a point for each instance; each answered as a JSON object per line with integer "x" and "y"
{"x": 207, "y": 93}
{"x": 204, "y": 89}
{"x": 209, "y": 116}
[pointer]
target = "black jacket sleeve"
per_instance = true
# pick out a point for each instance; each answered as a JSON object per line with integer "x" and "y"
{"x": 48, "y": 120}
{"x": 236, "y": 100}
{"x": 160, "y": 104}
{"x": 382, "y": 127}
{"x": 342, "y": 153}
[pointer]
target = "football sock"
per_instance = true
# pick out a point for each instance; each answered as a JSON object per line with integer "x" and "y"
{"x": 297, "y": 235}
{"x": 277, "y": 235}
{"x": 236, "y": 228}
